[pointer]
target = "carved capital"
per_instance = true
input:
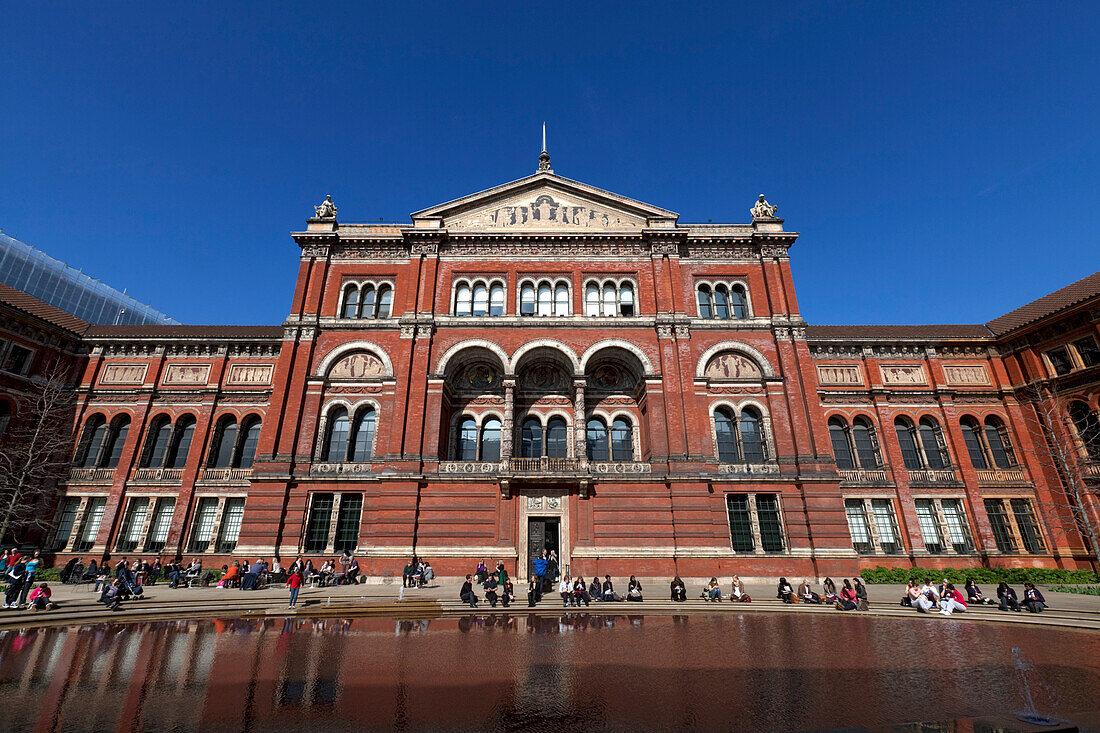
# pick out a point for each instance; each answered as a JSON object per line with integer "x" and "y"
{"x": 664, "y": 330}
{"x": 666, "y": 248}
{"x": 317, "y": 250}
{"x": 424, "y": 248}
{"x": 773, "y": 251}
{"x": 308, "y": 333}
{"x": 408, "y": 330}
{"x": 782, "y": 332}
{"x": 683, "y": 331}
{"x": 424, "y": 330}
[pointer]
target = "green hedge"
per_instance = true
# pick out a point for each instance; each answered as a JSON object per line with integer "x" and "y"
{"x": 1085, "y": 590}
{"x": 1045, "y": 576}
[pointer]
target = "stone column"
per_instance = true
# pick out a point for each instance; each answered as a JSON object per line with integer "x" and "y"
{"x": 580, "y": 451}
{"x": 508, "y": 429}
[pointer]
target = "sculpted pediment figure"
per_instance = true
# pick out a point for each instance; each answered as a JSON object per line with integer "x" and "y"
{"x": 731, "y": 365}
{"x": 357, "y": 366}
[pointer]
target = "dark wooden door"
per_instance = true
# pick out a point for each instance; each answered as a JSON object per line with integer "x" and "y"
{"x": 536, "y": 540}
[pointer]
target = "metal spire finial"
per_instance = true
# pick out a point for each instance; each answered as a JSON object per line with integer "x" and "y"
{"x": 544, "y": 157}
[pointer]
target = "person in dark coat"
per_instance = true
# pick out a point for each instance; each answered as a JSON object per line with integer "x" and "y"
{"x": 67, "y": 571}
{"x": 679, "y": 591}
{"x": 16, "y": 577}
{"x": 1007, "y": 598}
{"x": 466, "y": 595}
{"x": 1033, "y": 599}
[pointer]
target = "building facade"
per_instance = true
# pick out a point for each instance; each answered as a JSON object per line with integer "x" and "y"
{"x": 548, "y": 365}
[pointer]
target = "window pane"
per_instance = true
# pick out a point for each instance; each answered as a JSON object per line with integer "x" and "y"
{"x": 973, "y": 446}
{"x": 185, "y": 432}
{"x": 66, "y": 519}
{"x": 857, "y": 526}
{"x": 320, "y": 513}
{"x": 364, "y": 436}
{"x": 626, "y": 299}
{"x": 231, "y": 524}
{"x": 928, "y": 528}
{"x": 162, "y": 521}
{"x": 531, "y": 438}
{"x": 248, "y": 446}
{"x": 771, "y": 528}
{"x": 1086, "y": 349}
{"x": 998, "y": 522}
{"x": 842, "y": 452}
{"x": 490, "y": 440}
{"x": 116, "y": 439}
{"x": 1025, "y": 521}
{"x": 527, "y": 300}
{"x": 1088, "y": 428}
{"x": 597, "y": 440}
{"x": 721, "y": 303}
{"x": 737, "y": 507}
{"x": 957, "y": 532}
{"x": 481, "y": 300}
{"x": 738, "y": 303}
{"x": 463, "y": 301}
{"x": 561, "y": 301}
{"x": 223, "y": 452}
{"x": 95, "y": 433}
{"x": 158, "y": 439}
{"x": 347, "y": 522}
{"x": 622, "y": 445}
{"x": 367, "y": 310}
{"x": 704, "y": 303}
{"x": 496, "y": 300}
{"x": 908, "y": 446}
{"x": 467, "y": 440}
{"x": 727, "y": 441}
{"x": 865, "y": 445}
{"x": 93, "y": 516}
{"x": 545, "y": 300}
{"x": 351, "y": 302}
{"x": 751, "y": 439}
{"x": 385, "y": 301}
{"x": 610, "y": 306}
{"x": 130, "y": 533}
{"x": 883, "y": 510}
{"x": 997, "y": 446}
{"x": 1059, "y": 359}
{"x": 203, "y": 527}
{"x": 557, "y": 438}
{"x": 931, "y": 446}
{"x": 592, "y": 301}
{"x": 339, "y": 425}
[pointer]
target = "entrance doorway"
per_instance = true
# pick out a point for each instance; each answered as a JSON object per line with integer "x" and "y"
{"x": 543, "y": 533}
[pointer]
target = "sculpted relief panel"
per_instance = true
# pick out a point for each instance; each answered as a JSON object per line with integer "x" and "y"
{"x": 545, "y": 210}
{"x": 731, "y": 365}
{"x": 839, "y": 375}
{"x": 186, "y": 374}
{"x": 966, "y": 375}
{"x": 903, "y": 375}
{"x": 250, "y": 375}
{"x": 123, "y": 374}
{"x": 357, "y": 366}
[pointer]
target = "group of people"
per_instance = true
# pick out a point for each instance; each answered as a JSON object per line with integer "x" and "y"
{"x": 418, "y": 573}
{"x": 927, "y": 596}
{"x": 497, "y": 586}
{"x": 19, "y": 572}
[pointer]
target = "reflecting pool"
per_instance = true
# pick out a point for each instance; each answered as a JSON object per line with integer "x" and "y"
{"x": 577, "y": 672}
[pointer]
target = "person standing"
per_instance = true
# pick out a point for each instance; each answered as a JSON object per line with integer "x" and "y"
{"x": 539, "y": 566}
{"x": 294, "y": 582}
{"x": 28, "y": 583}
{"x": 17, "y": 575}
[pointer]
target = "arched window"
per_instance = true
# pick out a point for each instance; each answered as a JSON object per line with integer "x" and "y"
{"x": 596, "y": 439}
{"x": 362, "y": 436}
{"x": 721, "y": 303}
{"x": 863, "y": 435}
{"x": 91, "y": 442}
{"x": 496, "y": 300}
{"x": 116, "y": 441}
{"x": 622, "y": 442}
{"x": 385, "y": 301}
{"x": 935, "y": 453}
{"x": 336, "y": 444}
{"x": 481, "y": 300}
{"x": 463, "y": 301}
{"x": 181, "y": 442}
{"x": 626, "y": 300}
{"x": 592, "y": 300}
{"x": 490, "y": 440}
{"x": 561, "y": 300}
{"x": 972, "y": 438}
{"x": 351, "y": 302}
{"x": 738, "y": 302}
{"x": 1087, "y": 426}
{"x": 725, "y": 436}
{"x": 842, "y": 451}
{"x": 705, "y": 306}
{"x": 531, "y": 438}
{"x": 996, "y": 437}
{"x": 545, "y": 300}
{"x": 610, "y": 304}
{"x": 752, "y": 439}
{"x": 527, "y": 300}
{"x": 466, "y": 447}
{"x": 908, "y": 442}
{"x": 557, "y": 438}
{"x": 250, "y": 437}
{"x": 368, "y": 297}
{"x": 156, "y": 442}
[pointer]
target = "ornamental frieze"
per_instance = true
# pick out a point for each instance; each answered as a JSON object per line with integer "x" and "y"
{"x": 543, "y": 248}
{"x": 395, "y": 251}
{"x": 340, "y": 469}
{"x": 349, "y": 389}
{"x": 751, "y": 469}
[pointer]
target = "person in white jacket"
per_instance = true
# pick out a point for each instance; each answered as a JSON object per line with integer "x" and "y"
{"x": 565, "y": 587}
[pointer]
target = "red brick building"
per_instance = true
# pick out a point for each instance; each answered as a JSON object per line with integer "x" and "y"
{"x": 547, "y": 364}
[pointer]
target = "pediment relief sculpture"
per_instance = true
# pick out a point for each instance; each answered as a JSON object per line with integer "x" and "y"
{"x": 545, "y": 210}
{"x": 731, "y": 365}
{"x": 358, "y": 366}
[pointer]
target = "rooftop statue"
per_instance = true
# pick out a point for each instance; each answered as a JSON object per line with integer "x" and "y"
{"x": 763, "y": 210}
{"x": 327, "y": 209}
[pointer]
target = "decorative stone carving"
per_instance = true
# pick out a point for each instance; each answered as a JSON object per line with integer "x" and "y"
{"x": 666, "y": 248}
{"x": 250, "y": 375}
{"x": 186, "y": 374}
{"x": 763, "y": 210}
{"x": 839, "y": 375}
{"x": 316, "y": 251}
{"x": 357, "y": 366}
{"x": 544, "y": 211}
{"x": 327, "y": 209}
{"x": 731, "y": 365}
{"x": 664, "y": 330}
{"x": 545, "y": 378}
{"x": 773, "y": 251}
{"x": 407, "y": 330}
{"x": 424, "y": 248}
{"x": 619, "y": 467}
{"x": 610, "y": 377}
{"x": 749, "y": 468}
{"x": 424, "y": 330}
{"x": 123, "y": 374}
{"x": 903, "y": 374}
{"x": 321, "y": 469}
{"x": 966, "y": 375}
{"x": 308, "y": 332}
{"x": 553, "y": 502}
{"x": 479, "y": 376}
{"x": 534, "y": 502}
{"x": 468, "y": 467}
{"x": 683, "y": 331}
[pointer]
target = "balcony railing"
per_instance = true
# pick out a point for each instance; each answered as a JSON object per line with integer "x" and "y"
{"x": 225, "y": 475}
{"x": 162, "y": 475}
{"x": 542, "y": 465}
{"x": 934, "y": 477}
{"x": 92, "y": 475}
{"x": 864, "y": 476}
{"x": 1001, "y": 477}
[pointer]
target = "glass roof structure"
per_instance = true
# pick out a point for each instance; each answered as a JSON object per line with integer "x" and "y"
{"x": 36, "y": 273}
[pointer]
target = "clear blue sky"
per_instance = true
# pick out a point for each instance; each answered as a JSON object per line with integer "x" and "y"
{"x": 939, "y": 159}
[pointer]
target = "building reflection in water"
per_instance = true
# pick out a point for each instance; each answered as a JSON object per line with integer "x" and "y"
{"x": 574, "y": 671}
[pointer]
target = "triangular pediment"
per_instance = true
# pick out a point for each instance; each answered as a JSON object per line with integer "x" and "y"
{"x": 544, "y": 202}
